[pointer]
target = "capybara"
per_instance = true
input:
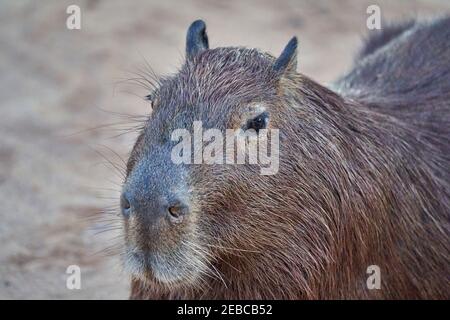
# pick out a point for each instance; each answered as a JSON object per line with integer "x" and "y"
{"x": 363, "y": 178}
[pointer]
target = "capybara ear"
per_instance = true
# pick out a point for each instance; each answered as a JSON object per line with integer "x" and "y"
{"x": 196, "y": 39}
{"x": 287, "y": 61}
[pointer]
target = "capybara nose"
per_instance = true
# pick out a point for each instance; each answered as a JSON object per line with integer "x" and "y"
{"x": 152, "y": 210}
{"x": 177, "y": 211}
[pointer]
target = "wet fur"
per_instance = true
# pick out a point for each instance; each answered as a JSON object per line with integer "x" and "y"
{"x": 364, "y": 175}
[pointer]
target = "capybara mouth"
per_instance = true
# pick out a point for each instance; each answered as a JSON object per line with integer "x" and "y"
{"x": 177, "y": 267}
{"x": 150, "y": 267}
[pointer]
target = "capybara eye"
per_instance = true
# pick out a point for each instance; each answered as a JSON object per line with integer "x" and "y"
{"x": 125, "y": 204}
{"x": 258, "y": 123}
{"x": 174, "y": 211}
{"x": 152, "y": 98}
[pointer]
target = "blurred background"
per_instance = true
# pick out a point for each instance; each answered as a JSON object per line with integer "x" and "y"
{"x": 69, "y": 114}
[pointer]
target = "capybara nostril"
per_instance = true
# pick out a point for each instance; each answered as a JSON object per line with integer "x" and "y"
{"x": 177, "y": 212}
{"x": 125, "y": 205}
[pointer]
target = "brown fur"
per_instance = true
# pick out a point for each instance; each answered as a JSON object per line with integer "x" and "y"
{"x": 357, "y": 186}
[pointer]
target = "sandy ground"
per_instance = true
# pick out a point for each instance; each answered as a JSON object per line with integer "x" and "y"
{"x": 60, "y": 88}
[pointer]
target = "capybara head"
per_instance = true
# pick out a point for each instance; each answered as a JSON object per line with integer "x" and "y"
{"x": 181, "y": 219}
